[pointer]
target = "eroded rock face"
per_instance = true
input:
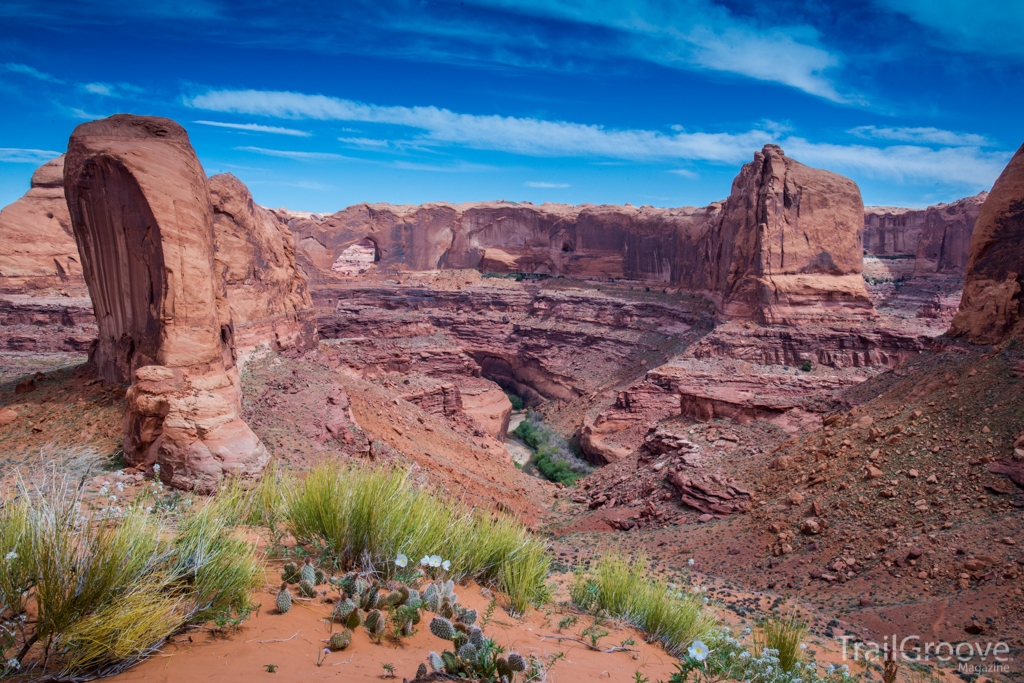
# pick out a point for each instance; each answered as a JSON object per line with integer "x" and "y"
{"x": 255, "y": 259}
{"x": 937, "y": 237}
{"x": 38, "y": 254}
{"x": 142, "y": 218}
{"x": 992, "y": 305}
{"x": 785, "y": 246}
{"x": 790, "y": 243}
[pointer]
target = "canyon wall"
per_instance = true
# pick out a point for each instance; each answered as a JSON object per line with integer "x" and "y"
{"x": 936, "y": 237}
{"x": 785, "y": 246}
{"x": 141, "y": 214}
{"x": 38, "y": 254}
{"x": 992, "y": 307}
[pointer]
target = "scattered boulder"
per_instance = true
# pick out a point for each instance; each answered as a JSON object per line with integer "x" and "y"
{"x": 710, "y": 494}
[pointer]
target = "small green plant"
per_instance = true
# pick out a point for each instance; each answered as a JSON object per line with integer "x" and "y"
{"x": 806, "y": 366}
{"x": 567, "y": 622}
{"x": 640, "y": 678}
{"x": 595, "y": 633}
{"x": 785, "y": 636}
{"x": 628, "y": 642}
{"x": 270, "y": 668}
{"x": 389, "y": 670}
{"x": 516, "y": 400}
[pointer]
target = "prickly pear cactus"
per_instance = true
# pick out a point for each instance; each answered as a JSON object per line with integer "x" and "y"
{"x": 516, "y": 662}
{"x": 290, "y": 573}
{"x": 375, "y": 623}
{"x": 421, "y": 670}
{"x": 468, "y": 652}
{"x": 319, "y": 578}
{"x": 442, "y": 628}
{"x": 467, "y": 616}
{"x": 340, "y": 640}
{"x": 343, "y": 609}
{"x": 354, "y": 619}
{"x": 309, "y": 571}
{"x": 284, "y": 599}
{"x": 476, "y": 637}
{"x": 306, "y": 589}
{"x": 436, "y": 663}
{"x": 502, "y": 668}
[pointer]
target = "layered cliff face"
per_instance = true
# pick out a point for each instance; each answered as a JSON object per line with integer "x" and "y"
{"x": 141, "y": 214}
{"x": 992, "y": 307}
{"x": 255, "y": 258}
{"x": 784, "y": 247}
{"x": 38, "y": 254}
{"x": 936, "y": 238}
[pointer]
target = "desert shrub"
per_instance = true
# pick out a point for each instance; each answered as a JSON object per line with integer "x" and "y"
{"x": 361, "y": 514}
{"x": 783, "y": 635}
{"x": 806, "y": 366}
{"x": 516, "y": 400}
{"x": 100, "y": 593}
{"x": 622, "y": 589}
{"x": 552, "y": 454}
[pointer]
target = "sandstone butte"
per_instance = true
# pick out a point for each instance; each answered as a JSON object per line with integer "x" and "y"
{"x": 142, "y": 216}
{"x": 992, "y": 307}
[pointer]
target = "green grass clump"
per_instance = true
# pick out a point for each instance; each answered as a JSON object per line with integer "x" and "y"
{"x": 100, "y": 593}
{"x": 375, "y": 514}
{"x": 622, "y": 588}
{"x": 784, "y": 635}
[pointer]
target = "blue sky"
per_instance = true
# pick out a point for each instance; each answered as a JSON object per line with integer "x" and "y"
{"x": 317, "y": 107}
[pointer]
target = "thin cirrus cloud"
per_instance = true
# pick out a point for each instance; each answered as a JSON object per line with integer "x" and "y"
{"x": 17, "y": 155}
{"x": 256, "y": 128}
{"x": 545, "y": 186}
{"x": 292, "y": 154}
{"x": 27, "y": 70}
{"x": 966, "y": 165}
{"x": 699, "y": 34}
{"x": 925, "y": 136}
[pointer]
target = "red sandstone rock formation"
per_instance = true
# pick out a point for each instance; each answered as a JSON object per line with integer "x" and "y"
{"x": 785, "y": 246}
{"x": 936, "y": 237}
{"x": 37, "y": 248}
{"x": 789, "y": 240}
{"x": 141, "y": 213}
{"x": 992, "y": 305}
{"x": 255, "y": 257}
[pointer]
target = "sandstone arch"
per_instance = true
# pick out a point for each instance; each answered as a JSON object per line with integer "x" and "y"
{"x": 141, "y": 214}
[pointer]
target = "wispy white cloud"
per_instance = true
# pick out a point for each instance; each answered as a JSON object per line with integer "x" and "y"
{"x": 460, "y": 167}
{"x": 16, "y": 155}
{"x": 292, "y": 154}
{"x": 542, "y": 185}
{"x": 685, "y": 172}
{"x": 84, "y": 115}
{"x": 926, "y": 136}
{"x": 700, "y": 34}
{"x": 104, "y": 89}
{"x": 993, "y": 27}
{"x": 365, "y": 143}
{"x": 257, "y": 128}
{"x": 963, "y": 165}
{"x": 31, "y": 71}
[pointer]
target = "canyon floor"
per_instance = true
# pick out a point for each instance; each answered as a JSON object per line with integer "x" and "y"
{"x": 861, "y": 473}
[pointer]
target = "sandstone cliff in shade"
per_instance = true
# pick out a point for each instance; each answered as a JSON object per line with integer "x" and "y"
{"x": 785, "y": 246}
{"x": 992, "y": 305}
{"x": 255, "y": 259}
{"x": 37, "y": 247}
{"x": 142, "y": 218}
{"x": 937, "y": 237}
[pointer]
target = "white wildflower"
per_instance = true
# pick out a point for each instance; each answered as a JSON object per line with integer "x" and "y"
{"x": 401, "y": 560}
{"x": 690, "y": 562}
{"x": 446, "y": 565}
{"x": 435, "y": 561}
{"x": 425, "y": 562}
{"x": 11, "y": 556}
{"x": 698, "y": 651}
{"x": 13, "y": 664}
